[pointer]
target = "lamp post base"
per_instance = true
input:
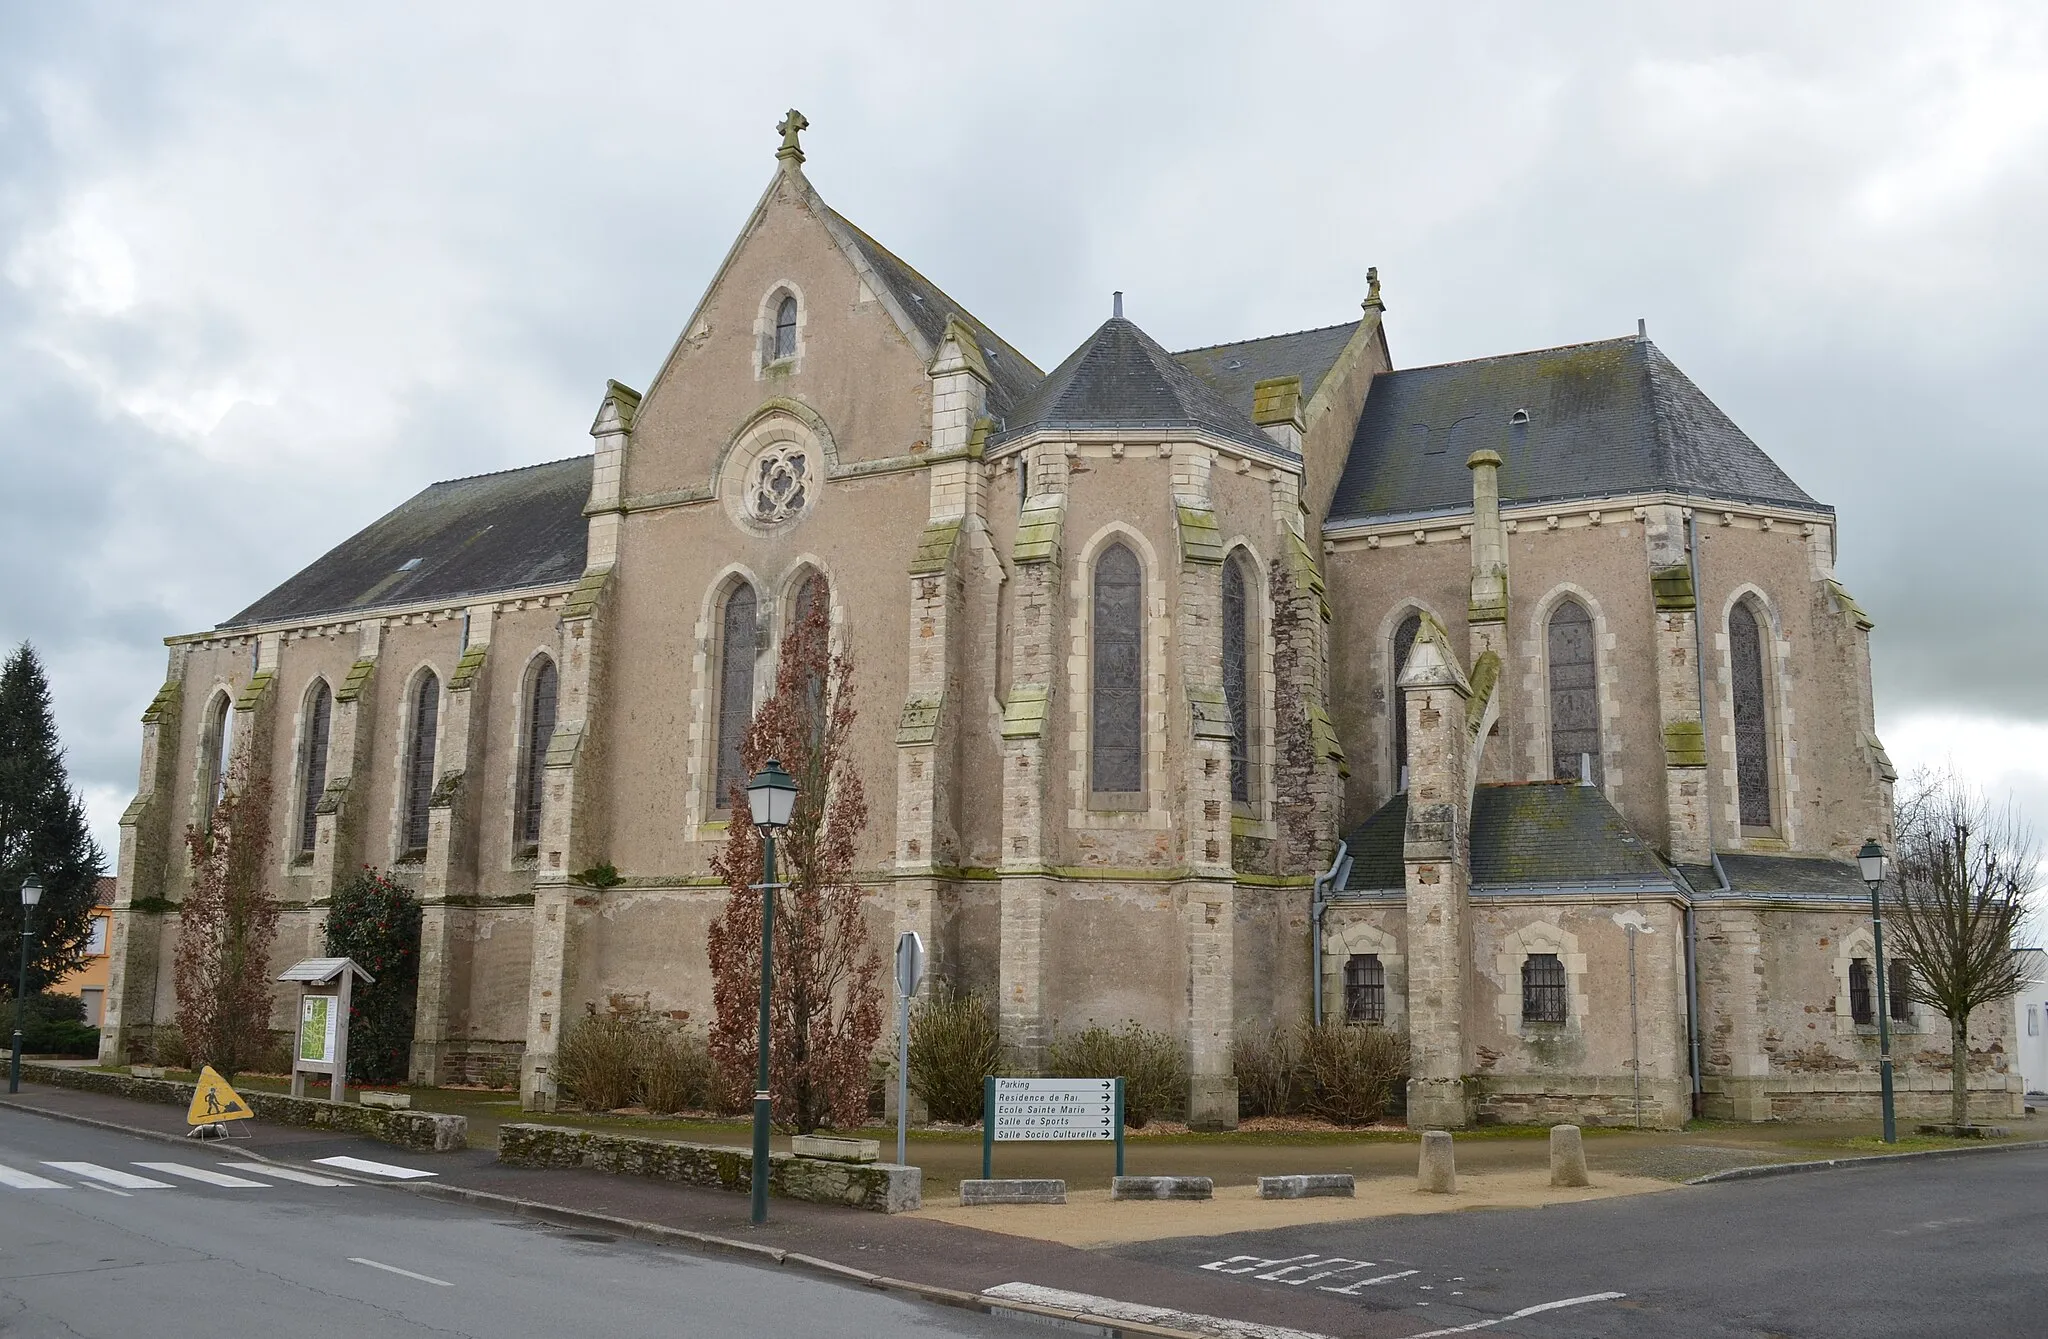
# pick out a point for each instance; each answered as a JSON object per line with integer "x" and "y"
{"x": 760, "y": 1173}
{"x": 14, "y": 1069}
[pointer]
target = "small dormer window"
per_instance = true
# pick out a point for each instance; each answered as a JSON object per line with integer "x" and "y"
{"x": 1519, "y": 416}
{"x": 785, "y": 329}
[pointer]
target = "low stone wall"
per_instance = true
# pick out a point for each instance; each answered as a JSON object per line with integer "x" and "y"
{"x": 426, "y": 1131}
{"x": 882, "y": 1187}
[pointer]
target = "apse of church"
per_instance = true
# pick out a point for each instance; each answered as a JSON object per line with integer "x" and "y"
{"x": 1143, "y": 642}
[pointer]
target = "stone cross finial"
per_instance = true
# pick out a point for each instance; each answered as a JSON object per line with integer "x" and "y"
{"x": 1372, "y": 290}
{"x": 791, "y": 126}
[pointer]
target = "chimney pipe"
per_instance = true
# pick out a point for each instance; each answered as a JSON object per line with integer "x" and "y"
{"x": 1642, "y": 331}
{"x": 1116, "y": 300}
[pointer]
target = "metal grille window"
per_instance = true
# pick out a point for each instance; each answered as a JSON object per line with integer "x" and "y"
{"x": 1404, "y": 642}
{"x": 1543, "y": 988}
{"x": 1574, "y": 694}
{"x": 313, "y": 763}
{"x": 1117, "y": 749}
{"x": 1752, "y": 735}
{"x": 785, "y": 329}
{"x": 1898, "y": 984}
{"x": 736, "y": 646}
{"x": 540, "y": 728}
{"x": 1365, "y": 989}
{"x": 419, "y": 772}
{"x": 1862, "y": 991}
{"x": 1236, "y": 678}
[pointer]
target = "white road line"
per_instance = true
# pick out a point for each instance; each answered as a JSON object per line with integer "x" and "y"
{"x": 284, "y": 1174}
{"x": 1525, "y": 1311}
{"x": 1236, "y": 1264}
{"x": 374, "y": 1168}
{"x": 125, "y": 1180}
{"x": 28, "y": 1180}
{"x": 201, "y": 1174}
{"x": 1351, "y": 1289}
{"x": 1108, "y": 1308}
{"x": 1329, "y": 1268}
{"x": 109, "y": 1190}
{"x": 394, "y": 1269}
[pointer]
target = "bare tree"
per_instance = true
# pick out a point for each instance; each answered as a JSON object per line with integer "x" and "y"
{"x": 1964, "y": 872}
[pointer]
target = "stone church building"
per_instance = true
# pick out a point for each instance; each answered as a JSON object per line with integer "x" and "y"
{"x": 1200, "y": 689}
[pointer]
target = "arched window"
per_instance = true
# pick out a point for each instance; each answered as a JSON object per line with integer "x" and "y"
{"x": 736, "y": 646}
{"x": 1117, "y": 693}
{"x": 1543, "y": 988}
{"x": 313, "y": 763}
{"x": 419, "y": 765}
{"x": 1574, "y": 695}
{"x": 215, "y": 743}
{"x": 785, "y": 329}
{"x": 1752, "y": 730}
{"x": 540, "y": 728}
{"x": 809, "y": 639}
{"x": 1898, "y": 982}
{"x": 1237, "y": 676}
{"x": 1404, "y": 642}
{"x": 1862, "y": 991}
{"x": 1365, "y": 989}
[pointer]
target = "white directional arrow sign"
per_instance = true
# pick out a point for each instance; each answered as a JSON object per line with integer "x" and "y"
{"x": 1055, "y": 1109}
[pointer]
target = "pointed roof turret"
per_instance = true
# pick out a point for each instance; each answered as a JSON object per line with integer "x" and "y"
{"x": 1122, "y": 378}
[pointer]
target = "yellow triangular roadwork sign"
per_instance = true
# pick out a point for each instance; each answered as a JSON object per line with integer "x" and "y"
{"x": 215, "y": 1102}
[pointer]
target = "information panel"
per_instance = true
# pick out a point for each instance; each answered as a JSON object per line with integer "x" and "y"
{"x": 1055, "y": 1109}
{"x": 317, "y": 1017}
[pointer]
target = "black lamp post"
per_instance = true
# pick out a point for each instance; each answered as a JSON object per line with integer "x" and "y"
{"x": 770, "y": 797}
{"x": 31, "y": 893}
{"x": 1871, "y": 858}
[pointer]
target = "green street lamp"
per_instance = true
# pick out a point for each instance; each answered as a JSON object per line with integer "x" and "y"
{"x": 1872, "y": 860}
{"x": 771, "y": 795}
{"x": 31, "y": 893}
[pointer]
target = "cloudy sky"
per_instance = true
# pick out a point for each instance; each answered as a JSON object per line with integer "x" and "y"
{"x": 267, "y": 270}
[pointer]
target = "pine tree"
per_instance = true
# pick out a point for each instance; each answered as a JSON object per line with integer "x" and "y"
{"x": 42, "y": 830}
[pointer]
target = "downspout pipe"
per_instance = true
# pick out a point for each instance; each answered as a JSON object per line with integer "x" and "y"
{"x": 1329, "y": 881}
{"x": 1692, "y": 934}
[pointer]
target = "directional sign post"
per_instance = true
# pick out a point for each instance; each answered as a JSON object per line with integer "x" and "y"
{"x": 1030, "y": 1110}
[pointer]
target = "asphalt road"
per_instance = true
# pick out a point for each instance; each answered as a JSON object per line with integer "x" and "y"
{"x": 1922, "y": 1248}
{"x": 92, "y": 1252}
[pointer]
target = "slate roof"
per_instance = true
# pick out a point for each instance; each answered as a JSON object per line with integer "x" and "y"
{"x": 1780, "y": 875}
{"x": 1231, "y": 370}
{"x": 474, "y": 536}
{"x": 1607, "y": 418}
{"x": 1122, "y": 378}
{"x": 1530, "y": 836}
{"x": 928, "y": 306}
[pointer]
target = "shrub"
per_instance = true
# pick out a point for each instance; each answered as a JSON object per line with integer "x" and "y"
{"x": 674, "y": 1070}
{"x": 166, "y": 1046}
{"x": 376, "y": 921}
{"x": 1351, "y": 1075}
{"x": 1151, "y": 1064}
{"x": 45, "y": 1036}
{"x": 597, "y": 1062}
{"x": 954, "y": 1045}
{"x": 1268, "y": 1066}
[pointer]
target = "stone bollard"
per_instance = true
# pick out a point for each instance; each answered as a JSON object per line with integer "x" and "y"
{"x": 1438, "y": 1173}
{"x": 1567, "y": 1157}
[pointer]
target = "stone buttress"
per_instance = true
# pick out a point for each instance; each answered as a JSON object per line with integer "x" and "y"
{"x": 135, "y": 940}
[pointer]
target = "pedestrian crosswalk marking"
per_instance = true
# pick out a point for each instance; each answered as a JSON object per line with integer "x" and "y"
{"x": 202, "y": 1174}
{"x": 28, "y": 1180}
{"x": 92, "y": 1171}
{"x": 284, "y": 1174}
{"x": 373, "y": 1168}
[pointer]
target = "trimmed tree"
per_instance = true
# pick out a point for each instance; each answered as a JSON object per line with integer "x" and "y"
{"x": 226, "y": 927}
{"x": 825, "y": 1013}
{"x": 1964, "y": 873}
{"x": 376, "y": 921}
{"x": 43, "y": 830}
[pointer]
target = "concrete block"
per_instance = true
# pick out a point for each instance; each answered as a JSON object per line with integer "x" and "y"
{"x": 146, "y": 1071}
{"x": 1438, "y": 1172}
{"x": 389, "y": 1101}
{"x": 1567, "y": 1156}
{"x": 1013, "y": 1192}
{"x": 1162, "y": 1188}
{"x": 1312, "y": 1186}
{"x": 836, "y": 1150}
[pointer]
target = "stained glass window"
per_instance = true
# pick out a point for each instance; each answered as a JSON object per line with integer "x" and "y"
{"x": 1118, "y": 689}
{"x": 785, "y": 329}
{"x": 419, "y": 772}
{"x": 1752, "y": 733}
{"x": 1574, "y": 694}
{"x": 1404, "y": 642}
{"x": 215, "y": 743}
{"x": 736, "y": 646}
{"x": 1236, "y": 685}
{"x": 540, "y": 728}
{"x": 1543, "y": 988}
{"x": 313, "y": 763}
{"x": 1365, "y": 989}
{"x": 809, "y": 637}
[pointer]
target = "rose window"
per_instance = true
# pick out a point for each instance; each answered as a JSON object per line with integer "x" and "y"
{"x": 780, "y": 484}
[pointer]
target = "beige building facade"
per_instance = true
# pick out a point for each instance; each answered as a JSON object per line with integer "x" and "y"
{"x": 1510, "y": 703}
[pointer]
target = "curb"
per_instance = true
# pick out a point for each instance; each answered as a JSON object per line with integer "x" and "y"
{"x": 676, "y": 1236}
{"x": 1770, "y": 1169}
